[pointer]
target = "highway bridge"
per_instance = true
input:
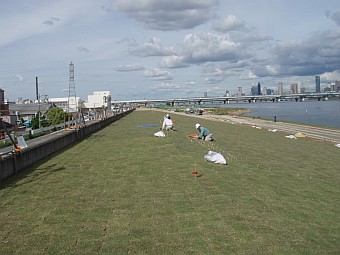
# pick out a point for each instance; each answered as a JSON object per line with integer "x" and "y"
{"x": 229, "y": 99}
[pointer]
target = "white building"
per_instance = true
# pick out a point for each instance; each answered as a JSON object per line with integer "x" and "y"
{"x": 63, "y": 103}
{"x": 99, "y": 99}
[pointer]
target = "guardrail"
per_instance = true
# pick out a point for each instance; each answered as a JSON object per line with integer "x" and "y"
{"x": 41, "y": 130}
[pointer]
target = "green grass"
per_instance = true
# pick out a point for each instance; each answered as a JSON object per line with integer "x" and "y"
{"x": 124, "y": 191}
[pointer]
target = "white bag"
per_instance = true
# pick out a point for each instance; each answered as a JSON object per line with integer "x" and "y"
{"x": 215, "y": 157}
{"x": 21, "y": 142}
{"x": 159, "y": 134}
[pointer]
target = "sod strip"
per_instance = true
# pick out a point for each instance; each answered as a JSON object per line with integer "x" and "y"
{"x": 122, "y": 191}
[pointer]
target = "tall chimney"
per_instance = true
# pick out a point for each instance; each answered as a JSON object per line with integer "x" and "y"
{"x": 36, "y": 88}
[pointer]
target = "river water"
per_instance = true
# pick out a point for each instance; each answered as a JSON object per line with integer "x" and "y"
{"x": 311, "y": 112}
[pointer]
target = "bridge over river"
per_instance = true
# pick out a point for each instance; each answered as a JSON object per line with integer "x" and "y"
{"x": 229, "y": 99}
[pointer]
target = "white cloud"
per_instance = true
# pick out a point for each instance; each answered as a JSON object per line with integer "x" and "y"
{"x": 214, "y": 79}
{"x": 129, "y": 68}
{"x": 273, "y": 70}
{"x": 152, "y": 48}
{"x": 330, "y": 76}
{"x": 167, "y": 15}
{"x": 168, "y": 86}
{"x": 173, "y": 62}
{"x": 203, "y": 47}
{"x": 248, "y": 76}
{"x": 175, "y": 86}
{"x": 215, "y": 76}
{"x": 231, "y": 23}
{"x": 158, "y": 74}
{"x": 207, "y": 47}
{"x": 317, "y": 54}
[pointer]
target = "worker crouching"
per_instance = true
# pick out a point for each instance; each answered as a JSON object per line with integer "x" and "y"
{"x": 167, "y": 123}
{"x": 204, "y": 133}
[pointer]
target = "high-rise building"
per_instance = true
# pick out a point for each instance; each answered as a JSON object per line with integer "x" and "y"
{"x": 239, "y": 91}
{"x": 337, "y": 86}
{"x": 254, "y": 90}
{"x": 258, "y": 88}
{"x": 294, "y": 88}
{"x": 317, "y": 84}
{"x": 280, "y": 88}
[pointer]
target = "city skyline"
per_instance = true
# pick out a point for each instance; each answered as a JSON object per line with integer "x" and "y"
{"x": 291, "y": 89}
{"x": 165, "y": 49}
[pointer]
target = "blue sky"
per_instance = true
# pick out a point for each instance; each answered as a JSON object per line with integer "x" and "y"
{"x": 165, "y": 48}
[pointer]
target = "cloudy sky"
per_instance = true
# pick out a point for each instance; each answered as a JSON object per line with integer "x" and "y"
{"x": 140, "y": 49}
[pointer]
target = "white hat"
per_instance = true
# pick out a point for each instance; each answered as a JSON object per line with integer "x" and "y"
{"x": 197, "y": 126}
{"x": 167, "y": 115}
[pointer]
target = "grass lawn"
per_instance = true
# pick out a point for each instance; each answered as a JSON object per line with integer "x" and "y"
{"x": 124, "y": 191}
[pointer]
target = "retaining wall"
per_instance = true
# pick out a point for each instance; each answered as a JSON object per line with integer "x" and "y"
{"x": 14, "y": 162}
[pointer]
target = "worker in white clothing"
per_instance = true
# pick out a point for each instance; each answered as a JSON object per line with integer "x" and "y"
{"x": 167, "y": 123}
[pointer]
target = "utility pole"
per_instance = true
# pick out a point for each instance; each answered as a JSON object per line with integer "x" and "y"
{"x": 39, "y": 111}
{"x": 38, "y": 99}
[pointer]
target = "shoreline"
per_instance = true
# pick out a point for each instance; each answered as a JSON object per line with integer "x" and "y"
{"x": 321, "y": 114}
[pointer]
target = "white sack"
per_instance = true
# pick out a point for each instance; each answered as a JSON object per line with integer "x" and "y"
{"x": 215, "y": 157}
{"x": 291, "y": 136}
{"x": 159, "y": 134}
{"x": 21, "y": 142}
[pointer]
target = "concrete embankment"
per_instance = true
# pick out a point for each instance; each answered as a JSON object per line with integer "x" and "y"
{"x": 12, "y": 162}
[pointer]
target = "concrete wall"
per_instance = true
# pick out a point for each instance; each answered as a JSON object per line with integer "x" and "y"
{"x": 13, "y": 163}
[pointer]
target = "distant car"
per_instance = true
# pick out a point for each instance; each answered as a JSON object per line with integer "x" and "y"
{"x": 199, "y": 112}
{"x": 189, "y": 110}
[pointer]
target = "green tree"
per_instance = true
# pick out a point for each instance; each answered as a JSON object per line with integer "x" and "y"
{"x": 56, "y": 115}
{"x": 35, "y": 121}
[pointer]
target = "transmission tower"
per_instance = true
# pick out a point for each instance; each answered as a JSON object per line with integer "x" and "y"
{"x": 72, "y": 105}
